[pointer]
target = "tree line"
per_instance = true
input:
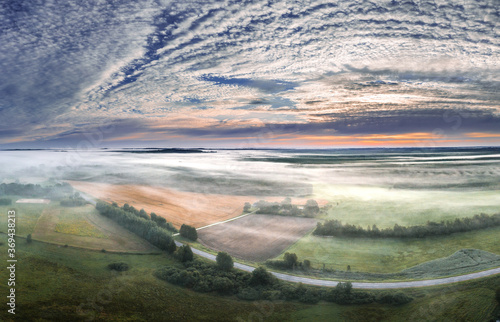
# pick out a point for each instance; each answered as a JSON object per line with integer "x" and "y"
{"x": 289, "y": 261}
{"x": 160, "y": 221}
{"x": 141, "y": 225}
{"x": 285, "y": 208}
{"x": 59, "y": 190}
{"x": 74, "y": 201}
{"x": 336, "y": 228}
{"x": 260, "y": 284}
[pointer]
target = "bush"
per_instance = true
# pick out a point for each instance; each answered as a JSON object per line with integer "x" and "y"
{"x": 397, "y": 298}
{"x": 188, "y": 232}
{"x": 222, "y": 284}
{"x": 309, "y": 297}
{"x": 5, "y": 201}
{"x": 120, "y": 267}
{"x": 29, "y": 239}
{"x": 184, "y": 253}
{"x": 260, "y": 276}
{"x": 248, "y": 294}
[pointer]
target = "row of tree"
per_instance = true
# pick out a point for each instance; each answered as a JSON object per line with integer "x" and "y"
{"x": 262, "y": 285}
{"x": 145, "y": 228}
{"x": 285, "y": 208}
{"x": 289, "y": 261}
{"x": 160, "y": 221}
{"x": 35, "y": 190}
{"x": 336, "y": 228}
{"x": 74, "y": 200}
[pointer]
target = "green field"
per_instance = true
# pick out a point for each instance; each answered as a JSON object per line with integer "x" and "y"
{"x": 389, "y": 255}
{"x": 365, "y": 205}
{"x": 58, "y": 283}
{"x": 26, "y": 216}
{"x": 73, "y": 221}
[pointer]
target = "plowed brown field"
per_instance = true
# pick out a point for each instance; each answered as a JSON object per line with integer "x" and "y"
{"x": 177, "y": 207}
{"x": 256, "y": 237}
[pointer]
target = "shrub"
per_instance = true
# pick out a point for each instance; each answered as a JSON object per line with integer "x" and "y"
{"x": 184, "y": 253}
{"x": 248, "y": 294}
{"x": 29, "y": 239}
{"x": 309, "y": 297}
{"x": 5, "y": 201}
{"x": 120, "y": 267}
{"x": 260, "y": 276}
{"x": 397, "y": 298}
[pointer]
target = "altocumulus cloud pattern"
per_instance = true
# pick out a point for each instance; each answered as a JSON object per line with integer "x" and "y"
{"x": 211, "y": 70}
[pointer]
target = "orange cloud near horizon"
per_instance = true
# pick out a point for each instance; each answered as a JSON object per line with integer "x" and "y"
{"x": 269, "y": 139}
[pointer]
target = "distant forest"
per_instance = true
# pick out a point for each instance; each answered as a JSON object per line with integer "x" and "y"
{"x": 336, "y": 228}
{"x": 59, "y": 190}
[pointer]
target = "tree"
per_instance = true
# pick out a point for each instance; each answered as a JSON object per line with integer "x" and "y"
{"x": 143, "y": 214}
{"x": 307, "y": 264}
{"x": 224, "y": 261}
{"x": 348, "y": 268}
{"x": 286, "y": 203}
{"x": 247, "y": 207}
{"x": 184, "y": 253}
{"x": 311, "y": 208}
{"x": 188, "y": 232}
{"x": 290, "y": 260}
{"x": 28, "y": 239}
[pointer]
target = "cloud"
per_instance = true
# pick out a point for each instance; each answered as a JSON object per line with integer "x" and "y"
{"x": 350, "y": 67}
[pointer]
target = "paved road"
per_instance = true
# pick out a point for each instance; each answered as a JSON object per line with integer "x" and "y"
{"x": 360, "y": 285}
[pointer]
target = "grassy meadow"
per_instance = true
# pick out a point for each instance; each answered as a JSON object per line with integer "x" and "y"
{"x": 57, "y": 283}
{"x": 388, "y": 255}
{"x": 26, "y": 216}
{"x": 384, "y": 207}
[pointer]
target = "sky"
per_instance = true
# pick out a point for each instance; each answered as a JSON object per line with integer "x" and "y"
{"x": 249, "y": 74}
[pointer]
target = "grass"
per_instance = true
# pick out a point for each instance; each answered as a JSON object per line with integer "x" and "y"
{"x": 471, "y": 301}
{"x": 363, "y": 205}
{"x": 388, "y": 255}
{"x": 57, "y": 283}
{"x": 26, "y": 216}
{"x": 79, "y": 228}
{"x": 73, "y": 221}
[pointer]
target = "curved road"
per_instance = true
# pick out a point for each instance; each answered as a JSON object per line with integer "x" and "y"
{"x": 363, "y": 285}
{"x": 360, "y": 285}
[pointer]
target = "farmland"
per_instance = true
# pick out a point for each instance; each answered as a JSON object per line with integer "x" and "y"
{"x": 389, "y": 255}
{"x": 26, "y": 217}
{"x": 256, "y": 237}
{"x": 383, "y": 206}
{"x": 177, "y": 207}
{"x": 84, "y": 227}
{"x": 63, "y": 283}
